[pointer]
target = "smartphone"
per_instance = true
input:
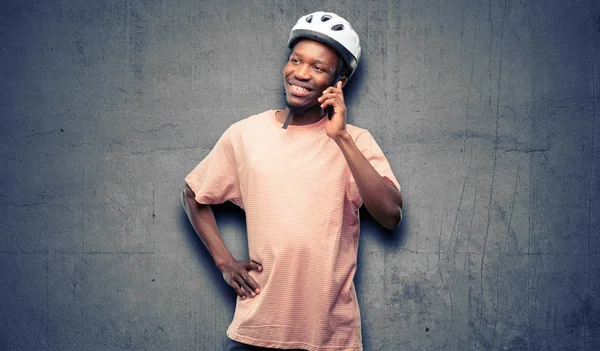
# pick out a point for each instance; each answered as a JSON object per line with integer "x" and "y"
{"x": 329, "y": 109}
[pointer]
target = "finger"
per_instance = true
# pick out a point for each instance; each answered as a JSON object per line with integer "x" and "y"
{"x": 327, "y": 95}
{"x": 251, "y": 284}
{"x": 246, "y": 292}
{"x": 243, "y": 279}
{"x": 237, "y": 289}
{"x": 332, "y": 90}
{"x": 254, "y": 265}
{"x": 339, "y": 93}
{"x": 330, "y": 96}
{"x": 339, "y": 85}
{"x": 330, "y": 102}
{"x": 243, "y": 286}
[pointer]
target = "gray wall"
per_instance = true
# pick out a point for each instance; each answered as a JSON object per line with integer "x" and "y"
{"x": 488, "y": 112}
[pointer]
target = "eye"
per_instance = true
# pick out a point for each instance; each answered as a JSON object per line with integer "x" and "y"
{"x": 294, "y": 60}
{"x": 319, "y": 68}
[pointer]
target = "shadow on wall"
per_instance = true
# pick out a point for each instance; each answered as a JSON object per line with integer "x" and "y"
{"x": 353, "y": 86}
{"x": 392, "y": 239}
{"x": 227, "y": 212}
{"x": 387, "y": 240}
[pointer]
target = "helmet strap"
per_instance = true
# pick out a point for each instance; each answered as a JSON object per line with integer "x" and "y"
{"x": 287, "y": 120}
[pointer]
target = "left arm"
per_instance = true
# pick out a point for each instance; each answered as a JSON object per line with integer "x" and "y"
{"x": 381, "y": 198}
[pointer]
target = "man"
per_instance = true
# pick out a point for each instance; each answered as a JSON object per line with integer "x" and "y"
{"x": 301, "y": 178}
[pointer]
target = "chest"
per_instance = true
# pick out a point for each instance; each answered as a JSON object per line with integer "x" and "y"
{"x": 312, "y": 167}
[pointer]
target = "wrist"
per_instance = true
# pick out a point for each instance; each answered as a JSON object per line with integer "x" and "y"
{"x": 223, "y": 262}
{"x": 341, "y": 137}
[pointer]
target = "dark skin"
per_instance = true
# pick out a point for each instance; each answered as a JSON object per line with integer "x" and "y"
{"x": 234, "y": 272}
{"x": 308, "y": 77}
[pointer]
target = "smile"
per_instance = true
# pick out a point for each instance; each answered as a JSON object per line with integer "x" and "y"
{"x": 298, "y": 90}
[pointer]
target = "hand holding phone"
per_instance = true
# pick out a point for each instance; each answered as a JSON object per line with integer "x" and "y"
{"x": 332, "y": 100}
{"x": 329, "y": 109}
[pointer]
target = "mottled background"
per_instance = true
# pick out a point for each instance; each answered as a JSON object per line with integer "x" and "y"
{"x": 488, "y": 112}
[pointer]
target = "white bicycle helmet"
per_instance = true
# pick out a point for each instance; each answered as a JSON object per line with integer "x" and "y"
{"x": 330, "y": 29}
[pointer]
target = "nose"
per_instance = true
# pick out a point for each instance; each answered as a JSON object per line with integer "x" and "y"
{"x": 301, "y": 72}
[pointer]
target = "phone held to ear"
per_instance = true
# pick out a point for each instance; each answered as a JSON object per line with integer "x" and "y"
{"x": 329, "y": 109}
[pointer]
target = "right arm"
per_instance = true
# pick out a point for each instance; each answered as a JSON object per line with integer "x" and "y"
{"x": 234, "y": 272}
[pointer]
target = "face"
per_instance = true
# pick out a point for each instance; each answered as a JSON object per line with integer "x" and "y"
{"x": 309, "y": 71}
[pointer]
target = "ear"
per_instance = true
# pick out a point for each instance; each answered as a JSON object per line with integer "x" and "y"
{"x": 344, "y": 80}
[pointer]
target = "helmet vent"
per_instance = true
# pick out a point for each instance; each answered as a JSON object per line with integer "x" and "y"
{"x": 325, "y": 18}
{"x": 309, "y": 19}
{"x": 338, "y": 27}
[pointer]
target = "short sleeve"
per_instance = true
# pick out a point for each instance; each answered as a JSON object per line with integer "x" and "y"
{"x": 215, "y": 179}
{"x": 372, "y": 152}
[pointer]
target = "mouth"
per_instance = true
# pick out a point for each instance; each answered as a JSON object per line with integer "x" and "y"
{"x": 299, "y": 89}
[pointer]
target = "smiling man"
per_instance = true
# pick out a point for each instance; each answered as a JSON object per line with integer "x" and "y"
{"x": 301, "y": 175}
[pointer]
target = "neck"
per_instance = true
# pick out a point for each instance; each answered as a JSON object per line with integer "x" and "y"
{"x": 309, "y": 116}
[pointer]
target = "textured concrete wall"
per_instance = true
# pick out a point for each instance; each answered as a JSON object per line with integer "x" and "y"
{"x": 488, "y": 112}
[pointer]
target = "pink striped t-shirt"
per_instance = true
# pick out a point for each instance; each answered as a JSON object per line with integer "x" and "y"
{"x": 301, "y": 206}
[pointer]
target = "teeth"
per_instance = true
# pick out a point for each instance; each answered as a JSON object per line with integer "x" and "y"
{"x": 301, "y": 89}
{"x": 297, "y": 88}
